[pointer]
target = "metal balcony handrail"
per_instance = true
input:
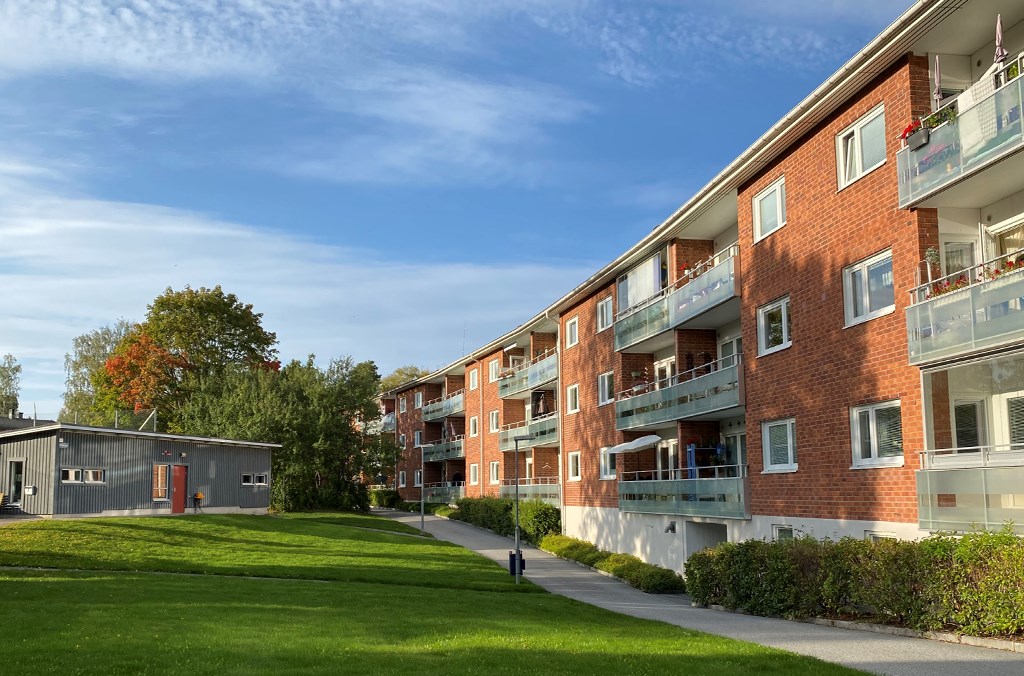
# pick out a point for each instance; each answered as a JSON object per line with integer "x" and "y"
{"x": 713, "y": 261}
{"x": 446, "y": 440}
{"x": 525, "y": 423}
{"x": 509, "y": 372}
{"x": 996, "y": 268}
{"x": 976, "y": 456}
{"x": 445, "y": 484}
{"x": 438, "y": 400}
{"x": 683, "y": 473}
{"x": 654, "y": 385}
{"x": 533, "y": 481}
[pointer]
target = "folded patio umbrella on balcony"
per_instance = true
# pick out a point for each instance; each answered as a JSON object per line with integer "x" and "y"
{"x": 1001, "y": 52}
{"x": 637, "y": 444}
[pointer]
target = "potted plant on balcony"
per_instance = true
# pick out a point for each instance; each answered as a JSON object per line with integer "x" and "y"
{"x": 915, "y": 135}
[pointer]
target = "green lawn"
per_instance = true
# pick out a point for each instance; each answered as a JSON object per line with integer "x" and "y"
{"x": 391, "y": 604}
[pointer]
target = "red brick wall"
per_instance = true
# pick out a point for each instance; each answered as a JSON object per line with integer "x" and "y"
{"x": 474, "y": 447}
{"x": 695, "y": 348}
{"x": 942, "y": 417}
{"x": 690, "y": 252}
{"x": 829, "y": 368}
{"x": 542, "y": 342}
{"x": 488, "y": 440}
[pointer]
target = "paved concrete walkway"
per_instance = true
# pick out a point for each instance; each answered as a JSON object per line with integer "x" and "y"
{"x": 877, "y": 653}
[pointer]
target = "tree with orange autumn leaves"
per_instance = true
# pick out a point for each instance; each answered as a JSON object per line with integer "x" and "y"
{"x": 142, "y": 373}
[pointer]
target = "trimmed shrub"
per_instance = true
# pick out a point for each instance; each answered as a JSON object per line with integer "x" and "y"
{"x": 385, "y": 497}
{"x": 705, "y": 574}
{"x": 445, "y": 511}
{"x": 891, "y": 577}
{"x": 494, "y": 514}
{"x": 537, "y": 519}
{"x": 573, "y": 549}
{"x": 644, "y": 576}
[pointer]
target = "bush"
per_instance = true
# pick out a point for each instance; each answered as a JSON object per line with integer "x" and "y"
{"x": 705, "y": 574}
{"x": 573, "y": 549}
{"x": 537, "y": 519}
{"x": 644, "y": 576}
{"x": 494, "y": 514}
{"x": 385, "y": 497}
{"x": 442, "y": 510}
{"x": 890, "y": 578}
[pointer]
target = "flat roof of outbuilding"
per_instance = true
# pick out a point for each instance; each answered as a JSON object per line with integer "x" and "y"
{"x": 58, "y": 427}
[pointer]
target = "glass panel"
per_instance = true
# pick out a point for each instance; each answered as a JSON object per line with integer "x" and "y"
{"x": 864, "y": 433}
{"x": 872, "y": 139}
{"x": 768, "y": 210}
{"x": 881, "y": 291}
{"x": 857, "y": 291}
{"x": 778, "y": 444}
{"x": 850, "y": 154}
{"x": 1015, "y": 410}
{"x": 965, "y": 420}
{"x": 1012, "y": 240}
{"x": 890, "y": 431}
{"x": 773, "y": 327}
{"x": 959, "y": 256}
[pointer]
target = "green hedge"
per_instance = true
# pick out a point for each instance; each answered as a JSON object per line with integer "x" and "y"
{"x": 644, "y": 576}
{"x": 536, "y": 517}
{"x": 972, "y": 584}
{"x": 385, "y": 497}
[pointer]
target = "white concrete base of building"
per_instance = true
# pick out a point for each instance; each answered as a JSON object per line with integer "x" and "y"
{"x": 159, "y": 512}
{"x": 668, "y": 540}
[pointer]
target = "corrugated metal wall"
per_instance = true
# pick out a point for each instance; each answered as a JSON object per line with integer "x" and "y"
{"x": 36, "y": 450}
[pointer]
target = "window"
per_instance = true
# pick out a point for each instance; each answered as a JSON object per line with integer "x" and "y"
{"x": 643, "y": 281}
{"x": 474, "y": 474}
{"x": 780, "y": 533}
{"x": 868, "y": 289}
{"x": 607, "y": 464}
{"x": 474, "y": 426}
{"x": 260, "y": 479}
{"x": 160, "y": 481}
{"x": 401, "y": 479}
{"x": 71, "y": 475}
{"x": 969, "y": 423}
{"x": 401, "y": 405}
{"x": 574, "y": 466}
{"x": 605, "y": 388}
{"x": 417, "y": 478}
{"x": 474, "y": 379}
{"x": 769, "y": 210}
{"x": 493, "y": 369}
{"x": 878, "y": 535}
{"x": 773, "y": 326}
{"x": 94, "y": 476}
{"x": 861, "y": 147}
{"x": 247, "y": 480}
{"x": 778, "y": 442}
{"x": 417, "y": 400}
{"x": 493, "y": 419}
{"x": 417, "y": 438}
{"x": 401, "y": 441}
{"x": 572, "y": 399}
{"x": 877, "y": 435}
{"x": 494, "y": 471}
{"x": 604, "y": 314}
{"x": 572, "y": 332}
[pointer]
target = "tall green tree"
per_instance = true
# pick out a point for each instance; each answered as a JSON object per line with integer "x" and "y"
{"x": 84, "y": 372}
{"x": 402, "y": 374}
{"x": 10, "y": 384}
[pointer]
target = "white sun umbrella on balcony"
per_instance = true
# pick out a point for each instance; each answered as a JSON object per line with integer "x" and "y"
{"x": 1001, "y": 52}
{"x": 938, "y": 79}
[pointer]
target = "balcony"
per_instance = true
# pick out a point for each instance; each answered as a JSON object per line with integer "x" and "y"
{"x": 387, "y": 423}
{"x": 657, "y": 404}
{"x": 445, "y": 450}
{"x": 967, "y": 311}
{"x": 445, "y": 492}
{"x": 721, "y": 492}
{"x": 967, "y": 488}
{"x": 711, "y": 284}
{"x": 986, "y": 130}
{"x": 544, "y": 430}
{"x": 539, "y": 371}
{"x": 453, "y": 404}
{"x": 542, "y": 488}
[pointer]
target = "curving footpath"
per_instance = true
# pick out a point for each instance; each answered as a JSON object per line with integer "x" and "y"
{"x": 877, "y": 653}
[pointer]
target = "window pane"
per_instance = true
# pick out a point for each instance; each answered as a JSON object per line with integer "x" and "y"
{"x": 965, "y": 420}
{"x": 872, "y": 142}
{"x": 850, "y": 155}
{"x": 881, "y": 290}
{"x": 1015, "y": 411}
{"x": 778, "y": 444}
{"x": 857, "y": 291}
{"x": 768, "y": 210}
{"x": 864, "y": 433}
{"x": 890, "y": 431}
{"x": 773, "y": 327}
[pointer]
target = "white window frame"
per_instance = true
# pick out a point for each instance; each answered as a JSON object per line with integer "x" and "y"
{"x": 495, "y": 472}
{"x": 573, "y": 469}
{"x": 248, "y": 479}
{"x": 862, "y": 267}
{"x": 260, "y": 480}
{"x": 856, "y": 436}
{"x": 401, "y": 404}
{"x": 474, "y": 379}
{"x": 417, "y": 400}
{"x": 572, "y": 331}
{"x": 474, "y": 474}
{"x": 417, "y": 478}
{"x": 605, "y": 312}
{"x": 494, "y": 423}
{"x": 780, "y": 186}
{"x": 493, "y": 370}
{"x": 417, "y": 438}
{"x": 606, "y": 388}
{"x": 779, "y": 529}
{"x": 790, "y": 466}
{"x": 71, "y": 475}
{"x": 401, "y": 479}
{"x": 474, "y": 426}
{"x": 855, "y": 130}
{"x": 608, "y": 463}
{"x": 402, "y": 441}
{"x": 787, "y": 340}
{"x": 89, "y": 476}
{"x": 572, "y": 398}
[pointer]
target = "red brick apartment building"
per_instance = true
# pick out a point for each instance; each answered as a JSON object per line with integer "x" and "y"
{"x": 827, "y": 339}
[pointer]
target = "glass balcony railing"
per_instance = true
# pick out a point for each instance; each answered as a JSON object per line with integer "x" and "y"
{"x": 675, "y": 306}
{"x": 543, "y": 488}
{"x": 445, "y": 450}
{"x": 964, "y": 489}
{"x": 987, "y": 131}
{"x": 967, "y": 311}
{"x": 544, "y": 430}
{"x": 387, "y": 423}
{"x": 445, "y": 406}
{"x": 721, "y": 496}
{"x": 444, "y": 492}
{"x": 540, "y": 371}
{"x": 714, "y": 391}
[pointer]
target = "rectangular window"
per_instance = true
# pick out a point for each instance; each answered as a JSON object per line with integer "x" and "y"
{"x": 604, "y": 314}
{"x": 247, "y": 480}
{"x": 605, "y": 388}
{"x": 877, "y": 435}
{"x": 780, "y": 533}
{"x": 94, "y": 476}
{"x": 417, "y": 438}
{"x": 572, "y": 332}
{"x": 417, "y": 400}
{"x": 773, "y": 326}
{"x": 401, "y": 441}
{"x": 417, "y": 478}
{"x": 160, "y": 473}
{"x": 969, "y": 424}
{"x": 778, "y": 443}
{"x": 494, "y": 471}
{"x": 474, "y": 379}
{"x": 474, "y": 426}
{"x": 861, "y": 147}
{"x": 574, "y": 466}
{"x": 493, "y": 419}
{"x": 868, "y": 289}
{"x": 572, "y": 399}
{"x": 401, "y": 479}
{"x": 493, "y": 370}
{"x": 474, "y": 474}
{"x": 607, "y": 464}
{"x": 71, "y": 475}
{"x": 401, "y": 405}
{"x": 769, "y": 209}
{"x": 260, "y": 479}
{"x": 642, "y": 282}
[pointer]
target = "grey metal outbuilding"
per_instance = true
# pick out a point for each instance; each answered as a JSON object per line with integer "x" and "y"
{"x": 73, "y": 470}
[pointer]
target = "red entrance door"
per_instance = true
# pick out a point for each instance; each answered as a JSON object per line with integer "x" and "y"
{"x": 179, "y": 491}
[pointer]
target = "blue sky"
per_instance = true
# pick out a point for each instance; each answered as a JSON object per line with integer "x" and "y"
{"x": 396, "y": 180}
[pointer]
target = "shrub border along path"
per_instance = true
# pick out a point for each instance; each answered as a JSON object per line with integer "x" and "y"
{"x": 874, "y": 652}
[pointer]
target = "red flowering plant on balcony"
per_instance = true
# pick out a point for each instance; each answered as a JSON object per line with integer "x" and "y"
{"x": 948, "y": 286}
{"x": 910, "y": 129}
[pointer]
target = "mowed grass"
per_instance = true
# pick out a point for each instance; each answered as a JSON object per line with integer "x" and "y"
{"x": 463, "y": 616}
